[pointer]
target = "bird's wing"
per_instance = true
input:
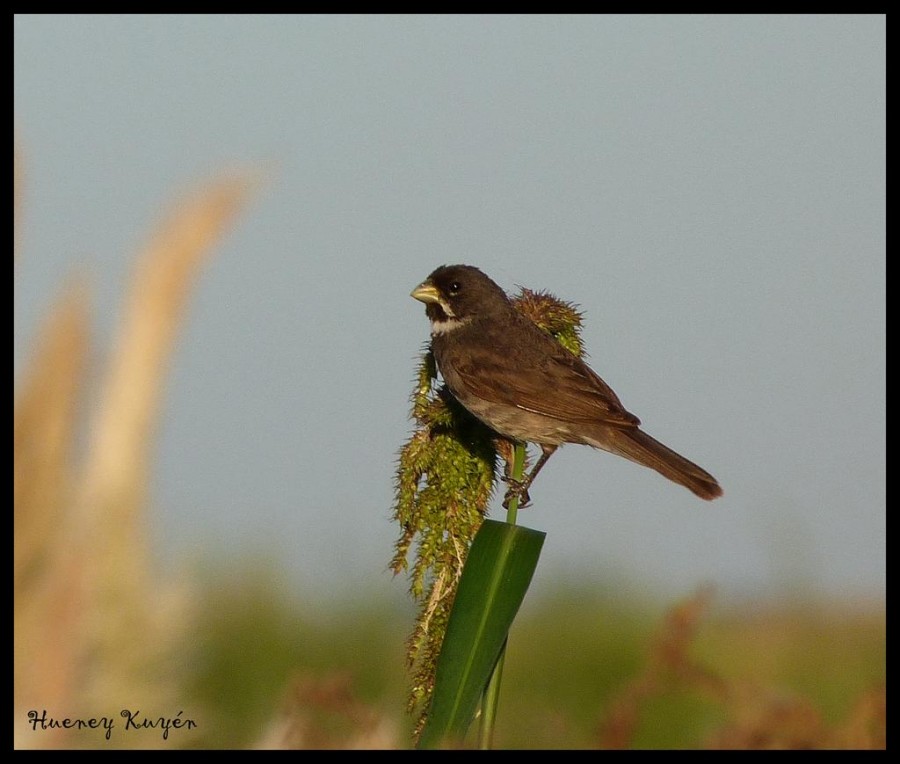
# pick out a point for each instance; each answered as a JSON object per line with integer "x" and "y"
{"x": 555, "y": 384}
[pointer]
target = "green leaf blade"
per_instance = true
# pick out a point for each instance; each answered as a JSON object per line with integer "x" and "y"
{"x": 493, "y": 584}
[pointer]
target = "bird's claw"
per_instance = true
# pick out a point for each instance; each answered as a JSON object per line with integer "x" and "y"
{"x": 517, "y": 489}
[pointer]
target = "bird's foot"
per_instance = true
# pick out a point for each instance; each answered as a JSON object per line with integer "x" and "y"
{"x": 517, "y": 489}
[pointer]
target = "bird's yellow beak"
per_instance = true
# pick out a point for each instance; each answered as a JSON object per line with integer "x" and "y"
{"x": 426, "y": 292}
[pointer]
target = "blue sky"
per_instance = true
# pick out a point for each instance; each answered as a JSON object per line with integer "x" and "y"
{"x": 709, "y": 189}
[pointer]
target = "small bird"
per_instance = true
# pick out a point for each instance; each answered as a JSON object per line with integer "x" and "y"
{"x": 520, "y": 382}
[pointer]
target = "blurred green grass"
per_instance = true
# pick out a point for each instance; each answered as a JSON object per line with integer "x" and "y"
{"x": 573, "y": 655}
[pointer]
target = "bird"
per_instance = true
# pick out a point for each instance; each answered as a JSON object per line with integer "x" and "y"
{"x": 524, "y": 385}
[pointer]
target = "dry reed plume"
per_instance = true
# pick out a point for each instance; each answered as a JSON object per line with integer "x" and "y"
{"x": 95, "y": 624}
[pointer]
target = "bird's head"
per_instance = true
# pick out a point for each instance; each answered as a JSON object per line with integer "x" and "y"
{"x": 456, "y": 294}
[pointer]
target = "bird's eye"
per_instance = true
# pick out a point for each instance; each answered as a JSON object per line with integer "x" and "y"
{"x": 455, "y": 287}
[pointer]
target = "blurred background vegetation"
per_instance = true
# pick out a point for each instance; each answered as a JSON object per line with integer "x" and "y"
{"x": 100, "y": 626}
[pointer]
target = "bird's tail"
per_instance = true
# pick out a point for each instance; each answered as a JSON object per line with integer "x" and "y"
{"x": 638, "y": 446}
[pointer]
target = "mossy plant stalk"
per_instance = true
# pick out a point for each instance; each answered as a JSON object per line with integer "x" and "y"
{"x": 491, "y": 695}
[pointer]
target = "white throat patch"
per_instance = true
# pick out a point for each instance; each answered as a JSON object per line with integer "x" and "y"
{"x": 448, "y": 325}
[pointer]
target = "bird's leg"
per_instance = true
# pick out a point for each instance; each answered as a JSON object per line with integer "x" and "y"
{"x": 519, "y": 488}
